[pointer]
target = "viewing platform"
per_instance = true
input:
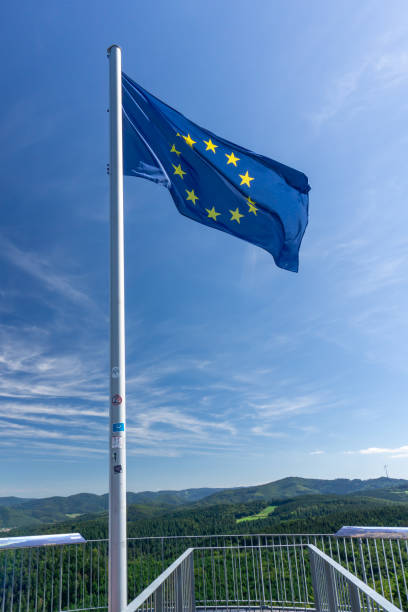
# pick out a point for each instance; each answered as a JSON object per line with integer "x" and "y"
{"x": 257, "y": 572}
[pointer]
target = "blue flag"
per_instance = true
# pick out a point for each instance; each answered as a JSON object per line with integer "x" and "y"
{"x": 213, "y": 181}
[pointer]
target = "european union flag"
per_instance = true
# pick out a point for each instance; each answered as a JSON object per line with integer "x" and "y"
{"x": 213, "y": 181}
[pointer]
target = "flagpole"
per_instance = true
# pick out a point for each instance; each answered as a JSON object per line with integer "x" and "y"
{"x": 117, "y": 400}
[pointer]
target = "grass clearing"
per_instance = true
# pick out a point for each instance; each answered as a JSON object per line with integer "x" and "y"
{"x": 256, "y": 517}
{"x": 74, "y": 515}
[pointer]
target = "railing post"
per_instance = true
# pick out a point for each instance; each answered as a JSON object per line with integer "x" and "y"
{"x": 261, "y": 571}
{"x": 360, "y": 543}
{"x": 179, "y": 589}
{"x": 331, "y": 587}
{"x": 354, "y": 598}
{"x": 192, "y": 582}
{"x": 158, "y": 604}
{"x": 60, "y": 582}
{"x": 313, "y": 571}
{"x": 226, "y": 579}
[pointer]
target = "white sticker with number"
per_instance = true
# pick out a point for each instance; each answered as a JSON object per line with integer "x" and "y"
{"x": 117, "y": 442}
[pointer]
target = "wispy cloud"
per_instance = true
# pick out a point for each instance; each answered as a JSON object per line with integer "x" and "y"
{"x": 341, "y": 90}
{"x": 282, "y": 407}
{"x": 43, "y": 270}
{"x": 31, "y": 367}
{"x": 353, "y": 89}
{"x": 400, "y": 452}
{"x": 391, "y": 67}
{"x": 258, "y": 430}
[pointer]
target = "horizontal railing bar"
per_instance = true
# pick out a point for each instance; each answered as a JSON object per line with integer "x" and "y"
{"x": 244, "y": 547}
{"x": 185, "y": 537}
{"x": 263, "y": 607}
{"x": 215, "y": 603}
{"x": 137, "y": 602}
{"x": 235, "y": 535}
{"x": 102, "y": 540}
{"x": 367, "y": 590}
{"x": 250, "y": 600}
{"x": 214, "y": 535}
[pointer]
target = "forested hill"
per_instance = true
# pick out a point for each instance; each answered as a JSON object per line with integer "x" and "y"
{"x": 18, "y": 512}
{"x": 287, "y": 488}
{"x": 308, "y": 514}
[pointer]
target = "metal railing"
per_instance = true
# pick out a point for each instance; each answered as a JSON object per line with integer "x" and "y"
{"x": 74, "y": 577}
{"x": 381, "y": 563}
{"x": 253, "y": 577}
{"x": 172, "y": 590}
{"x": 49, "y": 578}
{"x": 336, "y": 589}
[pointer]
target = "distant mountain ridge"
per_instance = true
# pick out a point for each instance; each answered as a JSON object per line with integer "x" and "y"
{"x": 292, "y": 486}
{"x": 13, "y": 501}
{"x": 19, "y": 512}
{"x": 93, "y": 502}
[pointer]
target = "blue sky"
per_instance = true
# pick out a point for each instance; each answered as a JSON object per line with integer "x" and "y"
{"x": 238, "y": 372}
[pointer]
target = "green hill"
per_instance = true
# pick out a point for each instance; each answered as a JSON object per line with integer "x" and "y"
{"x": 171, "y": 498}
{"x": 308, "y": 514}
{"x": 293, "y": 487}
{"x": 394, "y": 494}
{"x": 17, "y": 512}
{"x": 13, "y": 501}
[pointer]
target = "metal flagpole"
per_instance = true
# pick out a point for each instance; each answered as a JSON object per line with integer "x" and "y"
{"x": 117, "y": 401}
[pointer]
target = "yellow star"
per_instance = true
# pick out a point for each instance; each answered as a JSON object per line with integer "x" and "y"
{"x": 178, "y": 170}
{"x": 246, "y": 179}
{"x": 174, "y": 150}
{"x": 210, "y": 145}
{"x": 252, "y": 207}
{"x": 212, "y": 214}
{"x": 189, "y": 140}
{"x": 192, "y": 196}
{"x": 236, "y": 215}
{"x": 232, "y": 159}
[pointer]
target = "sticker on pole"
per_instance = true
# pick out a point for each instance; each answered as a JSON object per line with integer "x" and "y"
{"x": 116, "y": 399}
{"x": 115, "y": 372}
{"x": 117, "y": 441}
{"x": 118, "y": 427}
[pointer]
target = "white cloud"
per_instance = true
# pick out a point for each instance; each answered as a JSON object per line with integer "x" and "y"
{"x": 284, "y": 406}
{"x": 391, "y": 68}
{"x": 354, "y": 89}
{"x": 399, "y": 452}
{"x": 258, "y": 430}
{"x": 341, "y": 90}
{"x": 30, "y": 368}
{"x": 44, "y": 271}
{"x": 34, "y": 411}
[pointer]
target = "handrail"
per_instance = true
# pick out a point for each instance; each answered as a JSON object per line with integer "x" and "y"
{"x": 234, "y": 569}
{"x": 234, "y": 535}
{"x": 352, "y": 580}
{"x": 213, "y": 535}
{"x": 148, "y": 591}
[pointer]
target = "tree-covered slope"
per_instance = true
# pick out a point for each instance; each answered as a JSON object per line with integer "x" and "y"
{"x": 147, "y": 504}
{"x": 15, "y": 512}
{"x": 309, "y": 514}
{"x": 293, "y": 486}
